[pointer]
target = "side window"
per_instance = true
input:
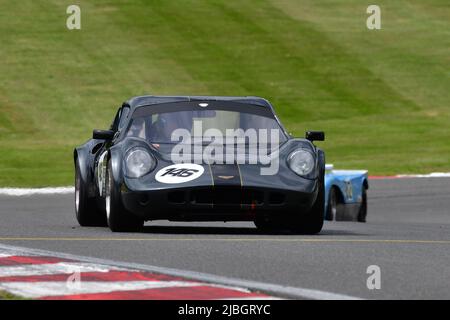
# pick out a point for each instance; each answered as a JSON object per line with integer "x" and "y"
{"x": 124, "y": 117}
{"x": 115, "y": 125}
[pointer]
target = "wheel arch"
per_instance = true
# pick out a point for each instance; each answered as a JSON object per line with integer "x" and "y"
{"x": 81, "y": 157}
{"x": 365, "y": 184}
{"x": 321, "y": 160}
{"x": 340, "y": 194}
{"x": 115, "y": 158}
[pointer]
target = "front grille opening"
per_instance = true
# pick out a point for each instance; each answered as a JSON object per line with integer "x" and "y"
{"x": 176, "y": 197}
{"x": 227, "y": 196}
{"x": 276, "y": 198}
{"x": 203, "y": 196}
{"x": 250, "y": 196}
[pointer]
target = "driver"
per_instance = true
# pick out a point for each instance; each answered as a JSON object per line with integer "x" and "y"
{"x": 167, "y": 123}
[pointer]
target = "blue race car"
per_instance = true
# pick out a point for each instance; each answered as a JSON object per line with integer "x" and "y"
{"x": 345, "y": 194}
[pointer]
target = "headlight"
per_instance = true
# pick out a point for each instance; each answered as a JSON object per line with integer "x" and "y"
{"x": 138, "y": 162}
{"x": 301, "y": 162}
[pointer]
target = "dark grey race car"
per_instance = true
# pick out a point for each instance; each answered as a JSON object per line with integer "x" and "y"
{"x": 127, "y": 175}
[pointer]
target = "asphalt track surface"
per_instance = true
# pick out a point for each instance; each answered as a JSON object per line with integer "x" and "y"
{"x": 407, "y": 235}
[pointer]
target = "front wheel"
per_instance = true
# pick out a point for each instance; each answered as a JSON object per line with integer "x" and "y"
{"x": 312, "y": 222}
{"x": 362, "y": 214}
{"x": 332, "y": 205}
{"x": 335, "y": 207}
{"x": 86, "y": 211}
{"x": 119, "y": 219}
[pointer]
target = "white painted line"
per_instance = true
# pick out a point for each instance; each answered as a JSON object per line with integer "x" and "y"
{"x": 243, "y": 290}
{"x": 70, "y": 189}
{"x": 273, "y": 289}
{"x": 350, "y": 172}
{"x": 53, "y": 268}
{"x": 55, "y": 288}
{"x": 10, "y": 253}
{"x": 35, "y": 191}
{"x": 430, "y": 175}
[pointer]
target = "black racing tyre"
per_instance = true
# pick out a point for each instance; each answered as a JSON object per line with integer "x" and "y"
{"x": 312, "y": 222}
{"x": 335, "y": 208}
{"x": 362, "y": 214}
{"x": 332, "y": 206}
{"x": 86, "y": 211}
{"x": 118, "y": 218}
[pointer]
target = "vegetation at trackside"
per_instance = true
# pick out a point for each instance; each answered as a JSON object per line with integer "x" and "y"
{"x": 381, "y": 96}
{"x": 9, "y": 296}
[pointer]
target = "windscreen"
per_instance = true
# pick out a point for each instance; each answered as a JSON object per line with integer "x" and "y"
{"x": 160, "y": 125}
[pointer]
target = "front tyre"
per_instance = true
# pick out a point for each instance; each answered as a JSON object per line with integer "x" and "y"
{"x": 118, "y": 218}
{"x": 335, "y": 208}
{"x": 312, "y": 223}
{"x": 362, "y": 214}
{"x": 332, "y": 205}
{"x": 86, "y": 211}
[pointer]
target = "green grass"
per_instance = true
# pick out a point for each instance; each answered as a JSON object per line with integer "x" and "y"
{"x": 9, "y": 296}
{"x": 383, "y": 97}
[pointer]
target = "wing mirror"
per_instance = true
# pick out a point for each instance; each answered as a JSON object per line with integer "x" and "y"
{"x": 315, "y": 135}
{"x": 103, "y": 134}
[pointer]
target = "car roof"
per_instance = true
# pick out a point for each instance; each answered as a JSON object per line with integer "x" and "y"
{"x": 150, "y": 100}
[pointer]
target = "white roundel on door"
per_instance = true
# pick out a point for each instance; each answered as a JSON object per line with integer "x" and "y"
{"x": 179, "y": 173}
